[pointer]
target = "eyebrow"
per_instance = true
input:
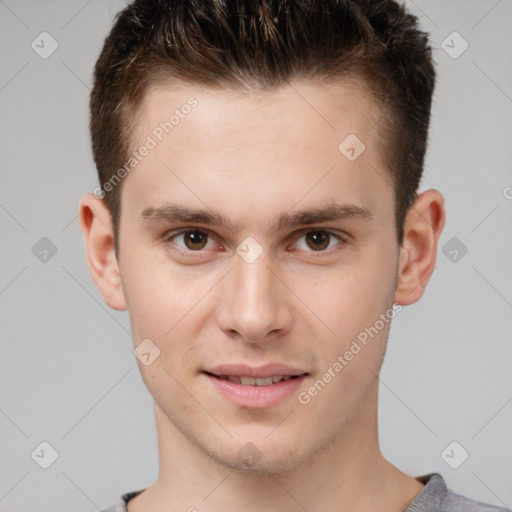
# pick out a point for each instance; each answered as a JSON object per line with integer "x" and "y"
{"x": 172, "y": 212}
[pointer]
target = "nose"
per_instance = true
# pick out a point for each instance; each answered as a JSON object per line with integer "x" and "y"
{"x": 255, "y": 305}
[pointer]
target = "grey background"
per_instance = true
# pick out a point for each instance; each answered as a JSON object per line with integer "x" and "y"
{"x": 68, "y": 375}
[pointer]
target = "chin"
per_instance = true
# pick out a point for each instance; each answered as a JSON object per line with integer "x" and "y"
{"x": 268, "y": 464}
{"x": 260, "y": 456}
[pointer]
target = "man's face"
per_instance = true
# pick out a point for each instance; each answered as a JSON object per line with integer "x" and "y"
{"x": 277, "y": 286}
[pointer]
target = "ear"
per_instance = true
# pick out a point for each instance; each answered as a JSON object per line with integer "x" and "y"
{"x": 418, "y": 252}
{"x": 98, "y": 234}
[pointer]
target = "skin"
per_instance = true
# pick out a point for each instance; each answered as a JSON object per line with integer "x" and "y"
{"x": 252, "y": 157}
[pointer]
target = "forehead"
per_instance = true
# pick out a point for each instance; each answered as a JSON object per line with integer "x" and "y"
{"x": 234, "y": 117}
{"x": 258, "y": 147}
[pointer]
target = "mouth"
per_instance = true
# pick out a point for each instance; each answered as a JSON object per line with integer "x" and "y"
{"x": 246, "y": 380}
{"x": 255, "y": 388}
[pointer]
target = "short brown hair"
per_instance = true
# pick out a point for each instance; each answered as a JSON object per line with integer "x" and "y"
{"x": 263, "y": 44}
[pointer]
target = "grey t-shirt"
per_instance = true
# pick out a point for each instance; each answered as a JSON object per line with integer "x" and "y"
{"x": 434, "y": 497}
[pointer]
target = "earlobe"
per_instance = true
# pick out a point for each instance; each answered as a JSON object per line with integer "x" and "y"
{"x": 98, "y": 235}
{"x": 423, "y": 227}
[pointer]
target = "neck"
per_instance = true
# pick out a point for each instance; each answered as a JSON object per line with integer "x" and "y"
{"x": 349, "y": 473}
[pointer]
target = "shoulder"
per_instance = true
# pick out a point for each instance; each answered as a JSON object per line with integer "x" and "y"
{"x": 436, "y": 497}
{"x": 457, "y": 503}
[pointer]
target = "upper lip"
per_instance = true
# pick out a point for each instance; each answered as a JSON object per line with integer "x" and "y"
{"x": 242, "y": 370}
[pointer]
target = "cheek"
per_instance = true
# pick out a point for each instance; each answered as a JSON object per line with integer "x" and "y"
{"x": 158, "y": 296}
{"x": 347, "y": 299}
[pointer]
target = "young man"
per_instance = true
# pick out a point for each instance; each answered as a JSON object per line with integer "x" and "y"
{"x": 259, "y": 218}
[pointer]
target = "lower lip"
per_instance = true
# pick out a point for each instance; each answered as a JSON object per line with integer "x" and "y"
{"x": 256, "y": 397}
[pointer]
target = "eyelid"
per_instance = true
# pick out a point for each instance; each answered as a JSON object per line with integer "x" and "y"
{"x": 334, "y": 232}
{"x": 179, "y": 231}
{"x": 175, "y": 232}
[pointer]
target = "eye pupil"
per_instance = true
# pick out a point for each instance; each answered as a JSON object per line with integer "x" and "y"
{"x": 195, "y": 239}
{"x": 318, "y": 240}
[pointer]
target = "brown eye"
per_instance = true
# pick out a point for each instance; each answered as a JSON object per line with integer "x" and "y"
{"x": 192, "y": 243}
{"x": 195, "y": 240}
{"x": 318, "y": 240}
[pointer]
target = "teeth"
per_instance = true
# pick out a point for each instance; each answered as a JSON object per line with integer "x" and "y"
{"x": 264, "y": 381}
{"x": 252, "y": 381}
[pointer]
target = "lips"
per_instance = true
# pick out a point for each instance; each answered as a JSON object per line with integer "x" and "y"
{"x": 255, "y": 387}
{"x": 255, "y": 381}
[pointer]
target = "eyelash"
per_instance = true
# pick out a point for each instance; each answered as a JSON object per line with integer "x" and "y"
{"x": 167, "y": 237}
